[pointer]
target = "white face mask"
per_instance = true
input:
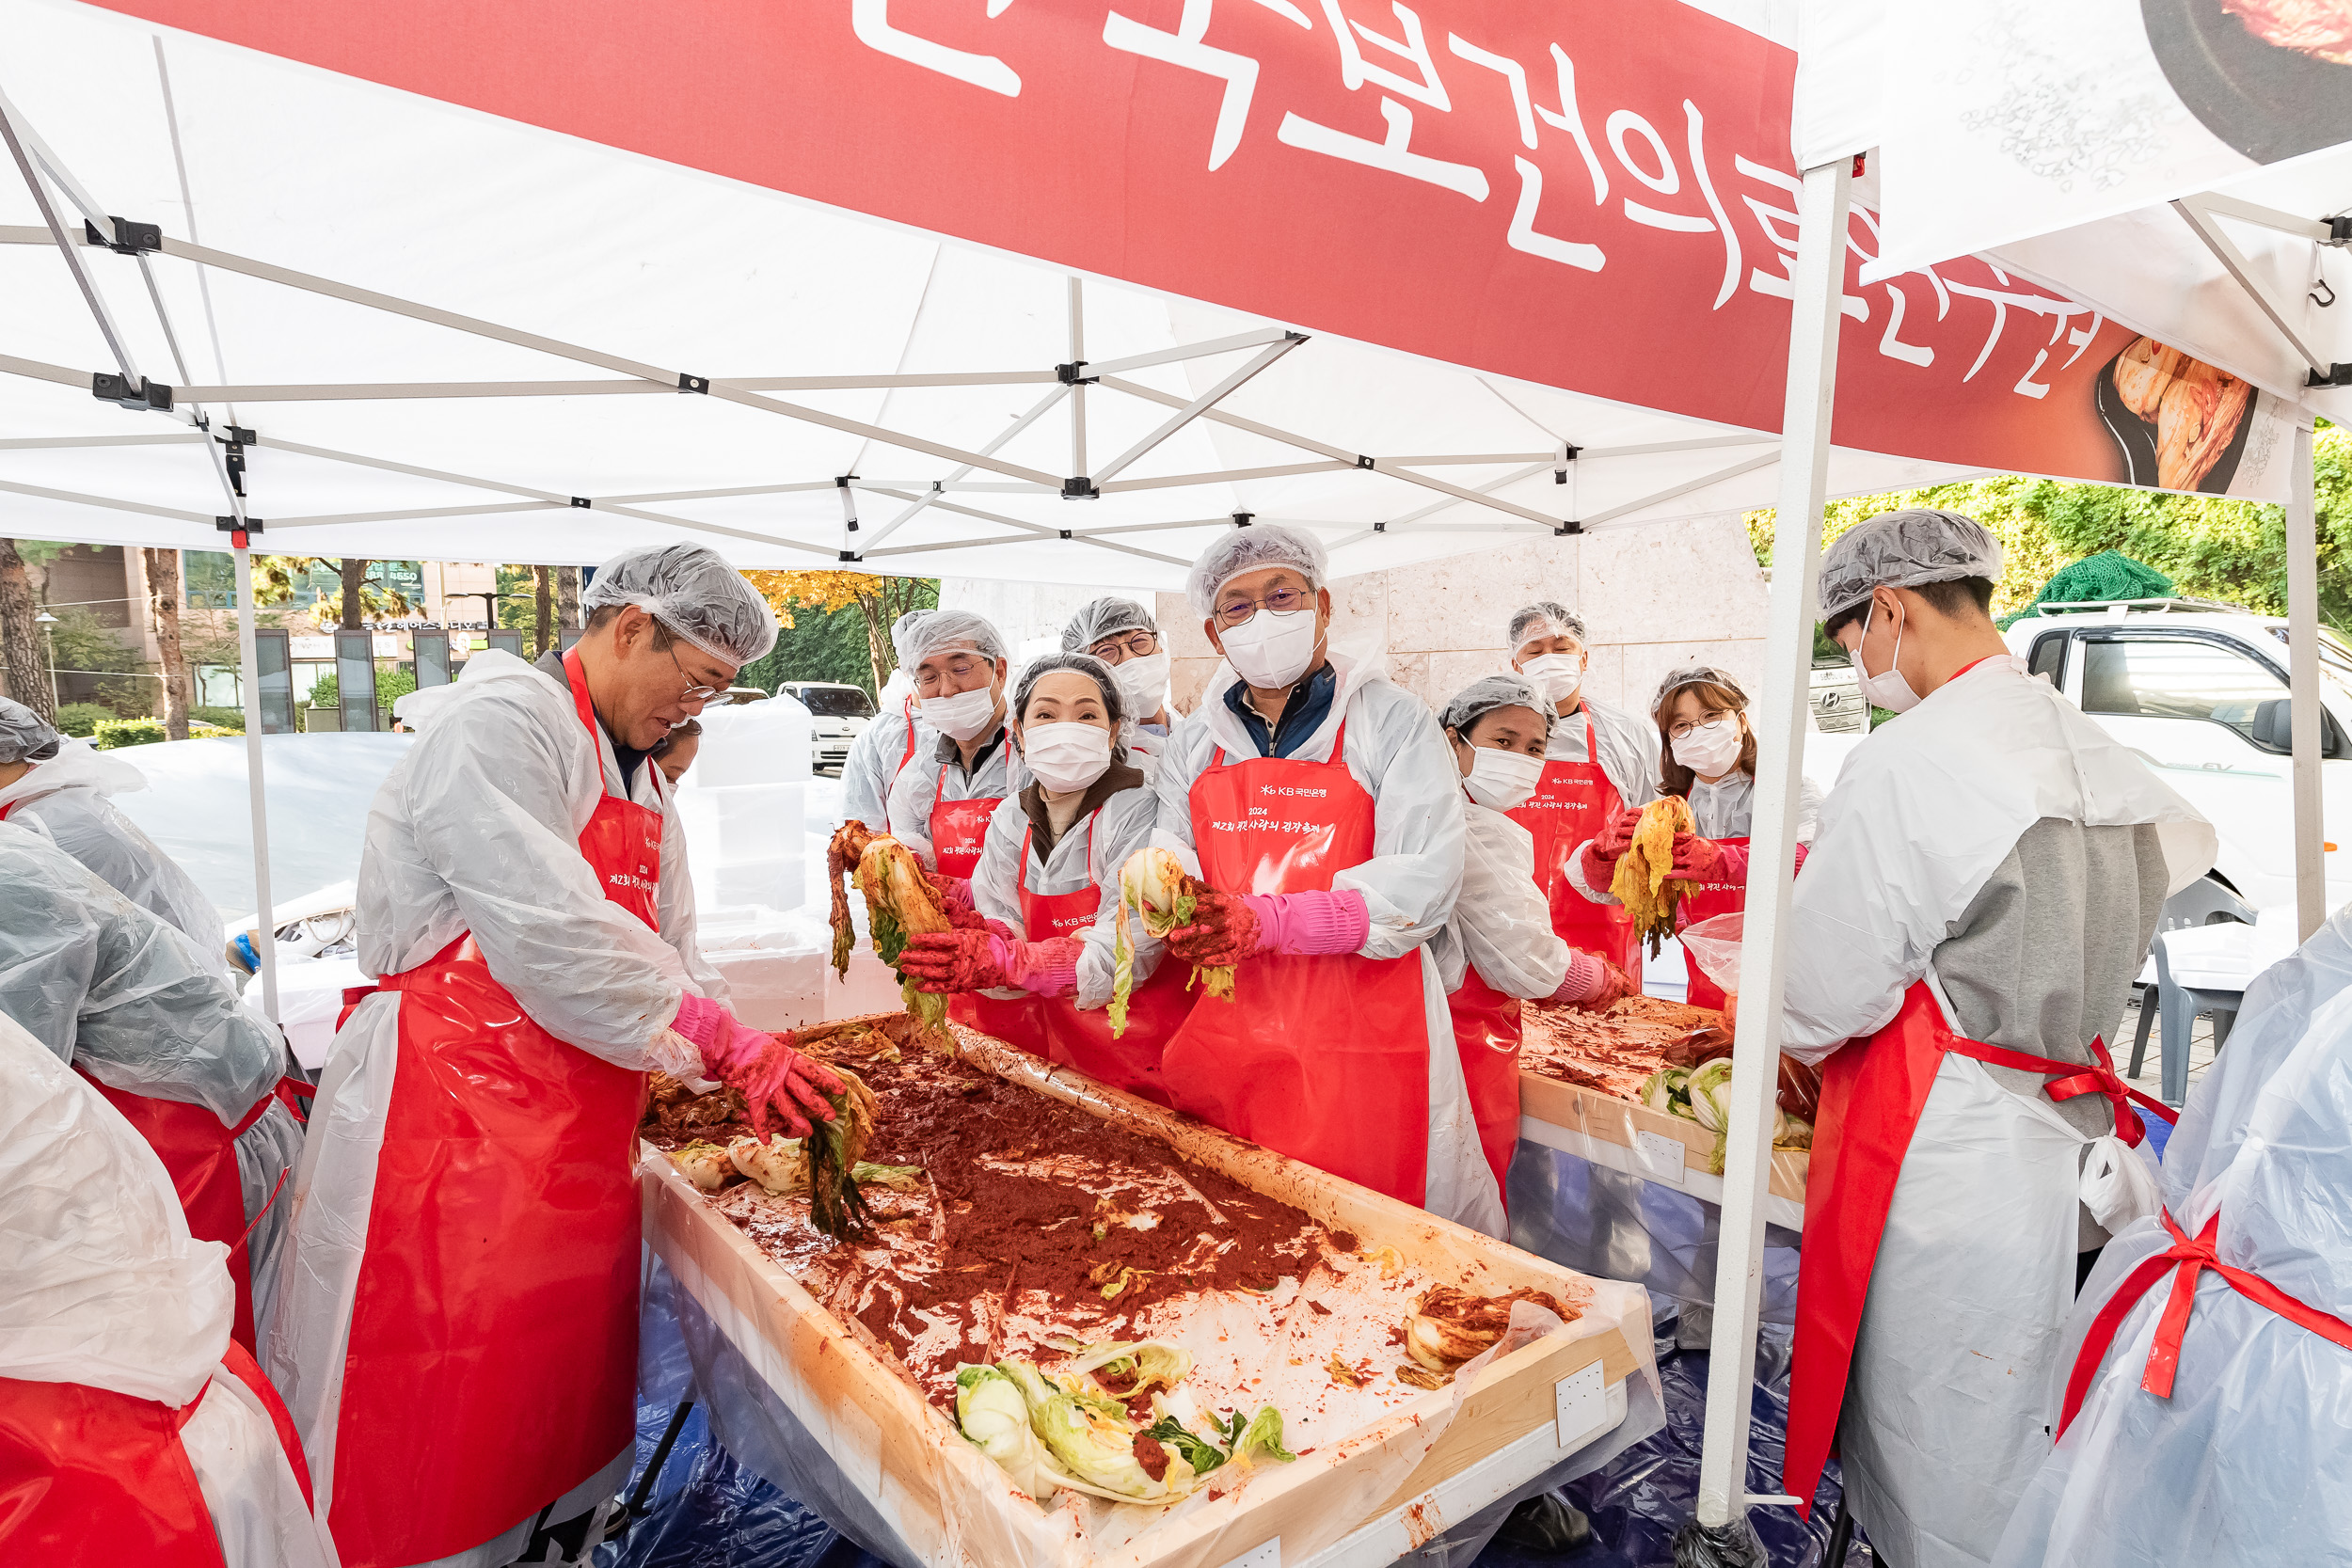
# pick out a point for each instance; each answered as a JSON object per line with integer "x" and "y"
{"x": 1144, "y": 683}
{"x": 1711, "y": 749}
{"x": 1270, "y": 650}
{"x": 1066, "y": 757}
{"x": 961, "y": 716}
{"x": 1559, "y": 674}
{"x": 1889, "y": 691}
{"x": 1501, "y": 780}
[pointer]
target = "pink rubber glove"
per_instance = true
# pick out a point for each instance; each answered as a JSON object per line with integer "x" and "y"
{"x": 1582, "y": 978}
{"x": 1309, "y": 925}
{"x": 1593, "y": 984}
{"x": 945, "y": 962}
{"x": 769, "y": 1072}
{"x": 955, "y": 900}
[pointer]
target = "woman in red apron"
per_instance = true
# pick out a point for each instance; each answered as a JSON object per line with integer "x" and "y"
{"x": 1601, "y": 764}
{"x": 133, "y": 1429}
{"x": 1325, "y": 811}
{"x": 1072, "y": 828}
{"x": 1710, "y": 760}
{"x": 153, "y": 1023}
{"x": 457, "y": 1335}
{"x": 1499, "y": 947}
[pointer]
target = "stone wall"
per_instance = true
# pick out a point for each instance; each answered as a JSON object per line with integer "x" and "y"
{"x": 1652, "y": 598}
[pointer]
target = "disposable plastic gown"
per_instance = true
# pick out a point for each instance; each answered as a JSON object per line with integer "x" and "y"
{"x": 104, "y": 1287}
{"x": 1122, "y": 826}
{"x": 1395, "y": 750}
{"x": 924, "y": 781}
{"x": 2246, "y": 1462}
{"x": 66, "y": 797}
{"x": 872, "y": 766}
{"x": 1502, "y": 923}
{"x": 476, "y": 830}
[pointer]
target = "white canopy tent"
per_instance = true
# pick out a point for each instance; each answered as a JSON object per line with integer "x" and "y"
{"x": 2153, "y": 199}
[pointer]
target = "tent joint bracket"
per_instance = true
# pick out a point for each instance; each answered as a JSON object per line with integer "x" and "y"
{"x": 694, "y": 383}
{"x": 129, "y": 238}
{"x": 1079, "y": 488}
{"x": 1569, "y": 454}
{"x": 1571, "y": 526}
{"x": 2338, "y": 375}
{"x": 1073, "y": 374}
{"x": 237, "y": 529}
{"x": 136, "y": 392}
{"x": 582, "y": 502}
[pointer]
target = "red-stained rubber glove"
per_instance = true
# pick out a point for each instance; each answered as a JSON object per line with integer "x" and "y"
{"x": 1703, "y": 860}
{"x": 945, "y": 962}
{"x": 1227, "y": 928}
{"x": 1592, "y": 983}
{"x": 766, "y": 1070}
{"x": 1601, "y": 852}
{"x": 955, "y": 901}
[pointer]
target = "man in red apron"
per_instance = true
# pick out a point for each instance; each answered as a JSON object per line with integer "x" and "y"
{"x": 1601, "y": 765}
{"x": 1988, "y": 873}
{"x": 133, "y": 1429}
{"x": 149, "y": 1017}
{"x": 883, "y": 748}
{"x": 1324, "y": 815}
{"x": 456, "y": 1332}
{"x": 1047, "y": 885}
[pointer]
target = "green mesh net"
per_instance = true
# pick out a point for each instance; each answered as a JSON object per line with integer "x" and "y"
{"x": 2109, "y": 575}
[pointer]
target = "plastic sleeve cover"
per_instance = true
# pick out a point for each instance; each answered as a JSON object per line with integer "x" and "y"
{"x": 1582, "y": 876}
{"x": 865, "y": 771}
{"x": 83, "y": 823}
{"x": 1123, "y": 825}
{"x": 107, "y": 985}
{"x": 477, "y": 830}
{"x": 1503, "y": 920}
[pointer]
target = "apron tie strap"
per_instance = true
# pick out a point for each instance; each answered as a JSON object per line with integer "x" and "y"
{"x": 2185, "y": 1260}
{"x": 2073, "y": 1078}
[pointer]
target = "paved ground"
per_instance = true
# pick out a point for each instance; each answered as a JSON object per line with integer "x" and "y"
{"x": 2151, "y": 1074}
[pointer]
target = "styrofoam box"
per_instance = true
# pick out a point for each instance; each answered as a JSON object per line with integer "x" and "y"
{"x": 779, "y": 884}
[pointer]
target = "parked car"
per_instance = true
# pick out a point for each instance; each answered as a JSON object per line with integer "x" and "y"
{"x": 840, "y": 713}
{"x": 1837, "y": 693}
{"x": 2200, "y": 689}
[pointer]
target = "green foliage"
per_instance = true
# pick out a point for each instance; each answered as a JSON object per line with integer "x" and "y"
{"x": 828, "y": 646}
{"x": 2212, "y": 547}
{"x": 392, "y": 682}
{"x": 83, "y": 643}
{"x": 114, "y": 733}
{"x": 520, "y": 612}
{"x": 326, "y": 690}
{"x": 83, "y": 718}
{"x": 220, "y": 717}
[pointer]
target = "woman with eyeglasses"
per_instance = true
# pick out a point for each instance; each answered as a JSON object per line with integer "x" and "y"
{"x": 1047, "y": 884}
{"x": 1322, "y": 814}
{"x": 1123, "y": 634}
{"x": 1706, "y": 755}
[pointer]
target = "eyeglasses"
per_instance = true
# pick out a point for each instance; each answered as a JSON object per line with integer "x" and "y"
{"x": 695, "y": 691}
{"x": 960, "y": 670}
{"x": 1283, "y": 601}
{"x": 1683, "y": 731}
{"x": 1133, "y": 644}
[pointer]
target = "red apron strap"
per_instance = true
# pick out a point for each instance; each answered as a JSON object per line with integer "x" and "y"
{"x": 2076, "y": 1079}
{"x": 2185, "y": 1260}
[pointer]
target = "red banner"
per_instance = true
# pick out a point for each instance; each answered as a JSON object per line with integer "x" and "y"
{"x": 1596, "y": 195}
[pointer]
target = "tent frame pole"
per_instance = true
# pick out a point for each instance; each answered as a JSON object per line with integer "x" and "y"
{"x": 2311, "y": 873}
{"x": 248, "y": 666}
{"x": 1805, "y": 420}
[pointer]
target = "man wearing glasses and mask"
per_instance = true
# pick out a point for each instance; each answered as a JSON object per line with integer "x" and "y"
{"x": 1123, "y": 634}
{"x": 456, "y": 1328}
{"x": 1322, "y": 810}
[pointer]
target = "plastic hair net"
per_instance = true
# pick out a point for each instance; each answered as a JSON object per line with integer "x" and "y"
{"x": 25, "y": 735}
{"x": 1693, "y": 674}
{"x": 1482, "y": 696}
{"x": 903, "y": 624}
{"x": 1530, "y": 622}
{"x": 693, "y": 592}
{"x": 1084, "y": 664}
{"x": 1251, "y": 549}
{"x": 1105, "y": 617}
{"x": 1904, "y": 550}
{"x": 948, "y": 629}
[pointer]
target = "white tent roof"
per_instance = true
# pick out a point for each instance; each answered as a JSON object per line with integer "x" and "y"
{"x": 305, "y": 187}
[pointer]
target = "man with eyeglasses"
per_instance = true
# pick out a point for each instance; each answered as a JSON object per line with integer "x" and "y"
{"x": 1320, "y": 806}
{"x": 455, "y": 1330}
{"x": 1599, "y": 769}
{"x": 883, "y": 748}
{"x": 1123, "y": 634}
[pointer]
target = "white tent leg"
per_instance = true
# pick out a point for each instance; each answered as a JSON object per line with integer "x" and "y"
{"x": 1763, "y": 956}
{"x": 249, "y": 664}
{"x": 2311, "y": 875}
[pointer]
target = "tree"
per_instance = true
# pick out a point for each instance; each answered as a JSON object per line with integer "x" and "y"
{"x": 879, "y": 601}
{"x": 162, "y": 604}
{"x": 26, "y": 673}
{"x": 542, "y": 609}
{"x": 277, "y": 579}
{"x": 567, "y": 598}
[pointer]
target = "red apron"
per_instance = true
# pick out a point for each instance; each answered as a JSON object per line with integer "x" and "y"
{"x": 93, "y": 1479}
{"x": 958, "y": 828}
{"x": 1574, "y": 801}
{"x": 906, "y": 756}
{"x": 1708, "y": 900}
{"x": 493, "y": 1355}
{"x": 201, "y": 1157}
{"x": 1082, "y": 1039}
{"x": 1487, "y": 1031}
{"x": 1324, "y": 1059}
{"x": 1872, "y": 1094}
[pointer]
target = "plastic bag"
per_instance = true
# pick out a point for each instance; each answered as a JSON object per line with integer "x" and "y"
{"x": 1713, "y": 945}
